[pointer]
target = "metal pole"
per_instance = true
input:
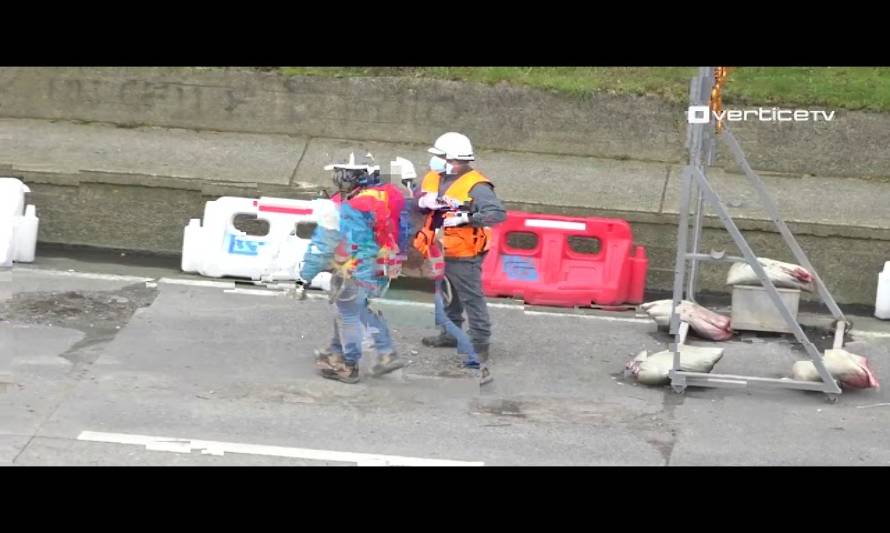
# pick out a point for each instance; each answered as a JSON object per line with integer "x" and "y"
{"x": 682, "y": 236}
{"x": 696, "y": 239}
{"x": 742, "y": 244}
{"x": 773, "y": 211}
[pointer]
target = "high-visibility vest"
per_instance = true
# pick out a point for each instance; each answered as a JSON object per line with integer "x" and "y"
{"x": 463, "y": 241}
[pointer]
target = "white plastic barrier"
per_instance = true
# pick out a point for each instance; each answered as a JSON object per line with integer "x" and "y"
{"x": 7, "y": 242}
{"x": 18, "y": 223}
{"x": 216, "y": 248}
{"x": 882, "y": 299}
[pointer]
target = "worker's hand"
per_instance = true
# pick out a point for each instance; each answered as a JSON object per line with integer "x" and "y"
{"x": 460, "y": 219}
{"x": 394, "y": 270}
{"x": 430, "y": 200}
{"x": 450, "y": 203}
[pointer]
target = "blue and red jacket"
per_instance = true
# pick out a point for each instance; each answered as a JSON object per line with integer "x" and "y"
{"x": 372, "y": 235}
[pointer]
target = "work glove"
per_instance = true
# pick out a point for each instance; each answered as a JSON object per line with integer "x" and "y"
{"x": 450, "y": 203}
{"x": 460, "y": 219}
{"x": 430, "y": 200}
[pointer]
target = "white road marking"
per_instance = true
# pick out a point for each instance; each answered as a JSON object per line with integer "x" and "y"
{"x": 496, "y": 305}
{"x": 229, "y": 286}
{"x": 83, "y": 275}
{"x": 872, "y": 405}
{"x": 874, "y": 334}
{"x": 255, "y": 292}
{"x": 594, "y": 317}
{"x": 219, "y": 448}
{"x": 198, "y": 283}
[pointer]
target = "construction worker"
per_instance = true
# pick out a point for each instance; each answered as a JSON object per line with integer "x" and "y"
{"x": 462, "y": 201}
{"x": 362, "y": 249}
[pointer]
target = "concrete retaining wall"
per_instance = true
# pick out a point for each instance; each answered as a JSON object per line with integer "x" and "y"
{"x": 411, "y": 110}
{"x": 601, "y": 156}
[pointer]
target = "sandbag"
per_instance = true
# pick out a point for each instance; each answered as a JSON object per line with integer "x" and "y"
{"x": 849, "y": 369}
{"x": 704, "y": 322}
{"x": 783, "y": 275}
{"x": 660, "y": 311}
{"x": 654, "y": 369}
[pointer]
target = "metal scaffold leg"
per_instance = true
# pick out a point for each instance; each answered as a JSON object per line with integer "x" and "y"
{"x": 697, "y": 191}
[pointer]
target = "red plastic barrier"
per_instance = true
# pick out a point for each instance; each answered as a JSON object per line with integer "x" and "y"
{"x": 553, "y": 273}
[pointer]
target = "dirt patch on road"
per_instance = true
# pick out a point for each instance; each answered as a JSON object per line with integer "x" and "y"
{"x": 100, "y": 315}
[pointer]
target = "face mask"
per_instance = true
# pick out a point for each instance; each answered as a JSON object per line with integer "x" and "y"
{"x": 449, "y": 168}
{"x": 437, "y": 164}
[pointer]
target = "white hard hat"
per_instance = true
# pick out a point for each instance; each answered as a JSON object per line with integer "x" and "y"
{"x": 453, "y": 145}
{"x": 435, "y": 149}
{"x": 403, "y": 168}
{"x": 352, "y": 165}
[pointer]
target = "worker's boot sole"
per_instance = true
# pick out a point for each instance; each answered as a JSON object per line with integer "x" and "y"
{"x": 386, "y": 364}
{"x": 439, "y": 342}
{"x": 485, "y": 376}
{"x": 343, "y": 373}
{"x": 326, "y": 360}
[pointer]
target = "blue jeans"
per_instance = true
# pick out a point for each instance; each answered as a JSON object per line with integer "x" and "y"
{"x": 353, "y": 315}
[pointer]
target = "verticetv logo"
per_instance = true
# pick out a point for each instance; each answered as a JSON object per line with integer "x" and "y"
{"x": 702, "y": 114}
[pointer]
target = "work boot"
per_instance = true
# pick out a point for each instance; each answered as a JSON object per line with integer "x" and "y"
{"x": 327, "y": 359}
{"x": 481, "y": 352}
{"x": 479, "y": 370}
{"x": 466, "y": 363}
{"x": 485, "y": 375}
{"x": 484, "y": 370}
{"x": 442, "y": 340}
{"x": 481, "y": 357}
{"x": 343, "y": 371}
{"x": 386, "y": 363}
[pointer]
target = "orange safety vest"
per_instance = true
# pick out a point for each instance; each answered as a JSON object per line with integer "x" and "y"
{"x": 463, "y": 241}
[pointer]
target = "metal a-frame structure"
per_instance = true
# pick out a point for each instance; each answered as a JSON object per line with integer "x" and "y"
{"x": 701, "y": 140}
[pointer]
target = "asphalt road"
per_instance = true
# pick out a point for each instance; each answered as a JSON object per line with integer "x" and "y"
{"x": 113, "y": 364}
